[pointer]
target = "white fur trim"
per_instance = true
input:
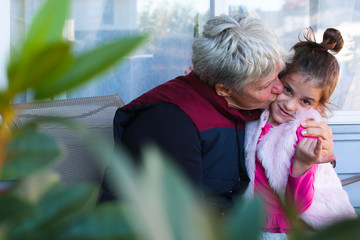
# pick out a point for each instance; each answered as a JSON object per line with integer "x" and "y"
{"x": 331, "y": 202}
{"x": 252, "y": 134}
{"x": 275, "y": 151}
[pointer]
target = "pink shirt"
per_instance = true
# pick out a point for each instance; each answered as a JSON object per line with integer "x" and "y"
{"x": 299, "y": 189}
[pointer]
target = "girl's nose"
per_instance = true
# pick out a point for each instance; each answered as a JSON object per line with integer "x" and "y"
{"x": 290, "y": 105}
{"x": 277, "y": 87}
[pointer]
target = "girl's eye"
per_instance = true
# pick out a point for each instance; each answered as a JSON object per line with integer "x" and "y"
{"x": 287, "y": 90}
{"x": 306, "y": 102}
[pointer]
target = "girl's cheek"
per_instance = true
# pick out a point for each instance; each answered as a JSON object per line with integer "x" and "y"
{"x": 302, "y": 109}
{"x": 281, "y": 97}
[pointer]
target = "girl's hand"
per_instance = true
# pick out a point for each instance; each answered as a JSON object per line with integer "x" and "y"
{"x": 307, "y": 153}
{"x": 323, "y": 132}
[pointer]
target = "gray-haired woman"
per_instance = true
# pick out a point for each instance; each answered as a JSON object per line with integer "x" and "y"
{"x": 199, "y": 119}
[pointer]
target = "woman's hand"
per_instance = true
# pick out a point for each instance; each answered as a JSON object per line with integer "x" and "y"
{"x": 324, "y": 132}
{"x": 307, "y": 153}
{"x": 187, "y": 72}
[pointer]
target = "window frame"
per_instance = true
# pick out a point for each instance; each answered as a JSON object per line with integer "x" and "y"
{"x": 349, "y": 117}
{"x": 217, "y": 7}
{"x": 4, "y": 40}
{"x": 337, "y": 117}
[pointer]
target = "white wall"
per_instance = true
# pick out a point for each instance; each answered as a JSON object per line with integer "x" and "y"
{"x": 346, "y": 148}
{"x": 4, "y": 39}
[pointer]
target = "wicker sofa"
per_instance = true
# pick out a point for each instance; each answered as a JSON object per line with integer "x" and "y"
{"x": 94, "y": 113}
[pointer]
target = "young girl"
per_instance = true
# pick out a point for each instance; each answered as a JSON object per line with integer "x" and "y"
{"x": 278, "y": 171}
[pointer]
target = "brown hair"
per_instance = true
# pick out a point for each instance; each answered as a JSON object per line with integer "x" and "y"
{"x": 315, "y": 61}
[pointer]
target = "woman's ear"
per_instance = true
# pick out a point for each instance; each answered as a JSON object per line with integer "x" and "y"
{"x": 222, "y": 90}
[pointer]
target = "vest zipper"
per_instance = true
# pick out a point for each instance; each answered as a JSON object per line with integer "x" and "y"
{"x": 242, "y": 172}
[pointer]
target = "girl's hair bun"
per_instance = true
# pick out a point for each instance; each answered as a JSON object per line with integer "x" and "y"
{"x": 332, "y": 40}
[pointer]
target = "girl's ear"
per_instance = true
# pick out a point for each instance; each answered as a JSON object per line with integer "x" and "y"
{"x": 222, "y": 90}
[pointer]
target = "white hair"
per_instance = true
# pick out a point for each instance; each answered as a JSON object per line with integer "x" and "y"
{"x": 236, "y": 51}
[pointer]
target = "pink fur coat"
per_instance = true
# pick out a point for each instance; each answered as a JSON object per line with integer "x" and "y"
{"x": 275, "y": 151}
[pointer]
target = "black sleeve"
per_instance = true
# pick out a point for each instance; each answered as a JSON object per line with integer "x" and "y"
{"x": 170, "y": 128}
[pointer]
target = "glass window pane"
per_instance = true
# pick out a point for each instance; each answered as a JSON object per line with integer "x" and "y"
{"x": 167, "y": 53}
{"x": 290, "y": 17}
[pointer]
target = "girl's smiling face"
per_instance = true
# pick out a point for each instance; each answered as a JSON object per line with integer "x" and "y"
{"x": 298, "y": 96}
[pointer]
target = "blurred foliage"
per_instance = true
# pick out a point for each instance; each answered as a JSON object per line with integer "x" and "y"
{"x": 167, "y": 17}
{"x": 159, "y": 202}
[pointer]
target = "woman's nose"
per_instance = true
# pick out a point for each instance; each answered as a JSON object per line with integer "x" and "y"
{"x": 277, "y": 87}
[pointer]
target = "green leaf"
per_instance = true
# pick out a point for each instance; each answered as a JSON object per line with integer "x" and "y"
{"x": 158, "y": 196}
{"x": 245, "y": 221}
{"x": 171, "y": 202}
{"x": 41, "y": 68}
{"x": 47, "y": 26}
{"x": 15, "y": 55}
{"x": 105, "y": 222}
{"x": 345, "y": 230}
{"x": 44, "y": 55}
{"x": 89, "y": 65}
{"x": 29, "y": 151}
{"x": 14, "y": 206}
{"x": 54, "y": 211}
{"x": 3, "y": 231}
{"x": 299, "y": 228}
{"x": 32, "y": 188}
{"x": 23, "y": 195}
{"x": 4, "y": 102}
